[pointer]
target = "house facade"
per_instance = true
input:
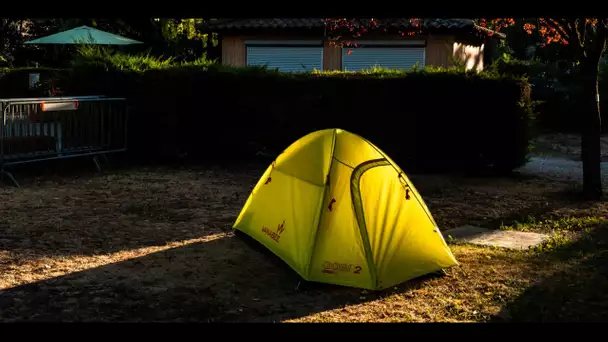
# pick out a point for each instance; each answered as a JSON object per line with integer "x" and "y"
{"x": 302, "y": 44}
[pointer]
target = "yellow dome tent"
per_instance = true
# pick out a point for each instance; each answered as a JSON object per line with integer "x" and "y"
{"x": 337, "y": 210}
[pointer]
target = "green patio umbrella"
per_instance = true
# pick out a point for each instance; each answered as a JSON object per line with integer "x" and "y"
{"x": 84, "y": 34}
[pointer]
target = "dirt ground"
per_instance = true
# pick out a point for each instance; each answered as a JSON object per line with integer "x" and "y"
{"x": 153, "y": 244}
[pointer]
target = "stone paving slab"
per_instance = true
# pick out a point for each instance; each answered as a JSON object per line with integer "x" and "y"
{"x": 497, "y": 238}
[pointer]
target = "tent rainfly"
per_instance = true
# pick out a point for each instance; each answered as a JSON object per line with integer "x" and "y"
{"x": 86, "y": 35}
{"x": 337, "y": 210}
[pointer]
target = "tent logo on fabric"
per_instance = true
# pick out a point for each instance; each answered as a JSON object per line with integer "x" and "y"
{"x": 275, "y": 235}
{"x": 335, "y": 267}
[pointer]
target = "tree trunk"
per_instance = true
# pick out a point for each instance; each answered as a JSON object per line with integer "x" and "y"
{"x": 210, "y": 49}
{"x": 591, "y": 130}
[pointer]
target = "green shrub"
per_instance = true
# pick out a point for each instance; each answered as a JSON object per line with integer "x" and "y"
{"x": 517, "y": 67}
{"x": 92, "y": 56}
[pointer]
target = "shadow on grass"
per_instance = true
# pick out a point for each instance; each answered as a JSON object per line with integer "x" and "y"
{"x": 575, "y": 293}
{"x": 220, "y": 280}
{"x": 64, "y": 170}
{"x": 116, "y": 211}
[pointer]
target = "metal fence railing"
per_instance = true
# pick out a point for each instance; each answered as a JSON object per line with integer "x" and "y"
{"x": 37, "y": 129}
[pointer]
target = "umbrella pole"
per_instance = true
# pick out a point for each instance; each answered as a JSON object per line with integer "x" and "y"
{"x": 55, "y": 54}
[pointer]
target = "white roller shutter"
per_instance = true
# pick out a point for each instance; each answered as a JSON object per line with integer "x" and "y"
{"x": 292, "y": 56}
{"x": 402, "y": 56}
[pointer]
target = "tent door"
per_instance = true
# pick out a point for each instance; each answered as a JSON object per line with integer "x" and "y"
{"x": 363, "y": 196}
{"x": 400, "y": 238}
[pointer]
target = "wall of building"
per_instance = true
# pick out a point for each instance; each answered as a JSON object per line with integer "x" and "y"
{"x": 440, "y": 51}
{"x": 470, "y": 55}
{"x": 234, "y": 52}
{"x": 332, "y": 57}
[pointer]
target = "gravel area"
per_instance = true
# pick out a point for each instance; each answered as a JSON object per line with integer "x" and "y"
{"x": 559, "y": 169}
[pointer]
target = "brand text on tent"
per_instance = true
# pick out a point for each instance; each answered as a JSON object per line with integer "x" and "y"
{"x": 275, "y": 235}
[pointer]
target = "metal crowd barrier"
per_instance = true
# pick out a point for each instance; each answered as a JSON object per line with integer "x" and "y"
{"x": 38, "y": 129}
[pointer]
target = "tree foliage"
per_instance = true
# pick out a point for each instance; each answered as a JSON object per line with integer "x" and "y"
{"x": 342, "y": 31}
{"x": 169, "y": 37}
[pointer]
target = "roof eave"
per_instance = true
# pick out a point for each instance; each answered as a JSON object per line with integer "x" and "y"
{"x": 220, "y": 27}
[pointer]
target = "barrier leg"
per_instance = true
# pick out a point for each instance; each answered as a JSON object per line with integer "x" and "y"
{"x": 10, "y": 176}
{"x": 96, "y": 161}
{"x": 105, "y": 158}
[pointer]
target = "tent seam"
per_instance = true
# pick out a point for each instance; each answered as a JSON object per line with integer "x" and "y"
{"x": 298, "y": 178}
{"x": 321, "y": 211}
{"x": 343, "y": 163}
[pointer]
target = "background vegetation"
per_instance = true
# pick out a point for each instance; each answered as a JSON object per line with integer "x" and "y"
{"x": 184, "y": 104}
{"x": 431, "y": 118}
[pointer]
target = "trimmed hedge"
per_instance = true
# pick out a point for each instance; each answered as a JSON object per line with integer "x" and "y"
{"x": 432, "y": 119}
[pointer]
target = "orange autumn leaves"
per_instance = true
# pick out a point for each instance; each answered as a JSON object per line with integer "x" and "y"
{"x": 529, "y": 27}
{"x": 551, "y": 30}
{"x": 342, "y": 30}
{"x": 496, "y": 24}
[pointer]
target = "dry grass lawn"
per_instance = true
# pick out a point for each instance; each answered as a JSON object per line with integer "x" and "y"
{"x": 153, "y": 244}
